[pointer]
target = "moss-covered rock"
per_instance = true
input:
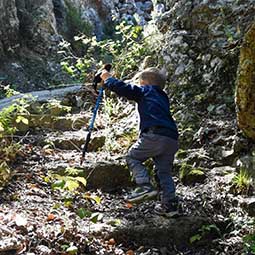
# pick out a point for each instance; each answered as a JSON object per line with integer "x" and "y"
{"x": 190, "y": 175}
{"x": 245, "y": 92}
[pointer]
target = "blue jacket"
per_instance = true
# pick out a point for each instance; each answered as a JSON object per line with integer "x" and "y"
{"x": 153, "y": 104}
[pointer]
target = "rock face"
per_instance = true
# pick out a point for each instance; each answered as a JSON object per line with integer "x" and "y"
{"x": 9, "y": 25}
{"x": 200, "y": 43}
{"x": 30, "y": 32}
{"x": 245, "y": 93}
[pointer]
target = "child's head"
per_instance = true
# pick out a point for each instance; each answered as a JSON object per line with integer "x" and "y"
{"x": 151, "y": 76}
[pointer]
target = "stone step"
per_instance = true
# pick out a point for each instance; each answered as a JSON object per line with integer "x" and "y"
{"x": 63, "y": 123}
{"x": 102, "y": 171}
{"x": 159, "y": 231}
{"x": 48, "y": 121}
{"x": 74, "y": 140}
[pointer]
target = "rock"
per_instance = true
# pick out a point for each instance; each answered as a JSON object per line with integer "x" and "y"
{"x": 108, "y": 175}
{"x": 48, "y": 121}
{"x": 44, "y": 250}
{"x": 166, "y": 233}
{"x": 223, "y": 170}
{"x": 228, "y": 155}
{"x": 245, "y": 93}
{"x": 147, "y": 6}
{"x": 190, "y": 175}
{"x": 9, "y": 26}
{"x": 75, "y": 140}
{"x": 102, "y": 172}
{"x": 10, "y": 244}
{"x": 37, "y": 24}
{"x": 249, "y": 205}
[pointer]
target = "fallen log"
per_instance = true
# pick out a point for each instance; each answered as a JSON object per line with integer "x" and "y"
{"x": 42, "y": 95}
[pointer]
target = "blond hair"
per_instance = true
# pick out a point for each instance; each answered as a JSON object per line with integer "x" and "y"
{"x": 153, "y": 76}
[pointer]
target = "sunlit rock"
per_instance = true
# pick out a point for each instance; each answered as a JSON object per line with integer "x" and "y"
{"x": 245, "y": 92}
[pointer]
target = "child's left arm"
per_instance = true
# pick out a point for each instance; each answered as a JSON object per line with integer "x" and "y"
{"x": 131, "y": 92}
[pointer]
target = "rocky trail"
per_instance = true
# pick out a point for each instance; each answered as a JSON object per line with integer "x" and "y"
{"x": 53, "y": 205}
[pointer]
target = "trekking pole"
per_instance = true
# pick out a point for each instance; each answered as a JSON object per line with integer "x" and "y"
{"x": 96, "y": 80}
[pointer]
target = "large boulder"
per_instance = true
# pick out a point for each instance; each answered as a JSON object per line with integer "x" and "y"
{"x": 245, "y": 92}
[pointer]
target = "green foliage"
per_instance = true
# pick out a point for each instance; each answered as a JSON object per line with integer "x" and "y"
{"x": 5, "y": 173}
{"x": 187, "y": 170}
{"x": 249, "y": 243}
{"x": 125, "y": 50}
{"x": 8, "y": 91}
{"x": 94, "y": 217}
{"x": 203, "y": 231}
{"x": 13, "y": 113}
{"x": 242, "y": 181}
{"x": 69, "y": 182}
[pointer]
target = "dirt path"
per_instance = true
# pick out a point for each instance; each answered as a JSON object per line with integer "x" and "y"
{"x": 37, "y": 218}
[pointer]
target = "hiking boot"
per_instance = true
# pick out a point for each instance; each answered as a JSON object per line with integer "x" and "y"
{"x": 141, "y": 193}
{"x": 169, "y": 210}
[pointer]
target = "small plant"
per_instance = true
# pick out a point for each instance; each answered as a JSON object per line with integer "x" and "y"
{"x": 9, "y": 91}
{"x": 249, "y": 243}
{"x": 13, "y": 114}
{"x": 242, "y": 182}
{"x": 70, "y": 181}
{"x": 5, "y": 173}
{"x": 203, "y": 231}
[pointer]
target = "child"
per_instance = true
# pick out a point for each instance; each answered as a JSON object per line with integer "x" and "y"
{"x": 158, "y": 137}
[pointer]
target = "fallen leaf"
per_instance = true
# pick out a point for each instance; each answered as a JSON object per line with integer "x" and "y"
{"x": 50, "y": 217}
{"x": 111, "y": 241}
{"x": 32, "y": 185}
{"x": 129, "y": 205}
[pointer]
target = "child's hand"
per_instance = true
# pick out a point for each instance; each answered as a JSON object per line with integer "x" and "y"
{"x": 105, "y": 75}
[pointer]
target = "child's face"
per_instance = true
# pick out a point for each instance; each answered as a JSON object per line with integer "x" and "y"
{"x": 143, "y": 83}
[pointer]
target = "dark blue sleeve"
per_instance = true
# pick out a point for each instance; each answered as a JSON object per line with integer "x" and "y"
{"x": 131, "y": 92}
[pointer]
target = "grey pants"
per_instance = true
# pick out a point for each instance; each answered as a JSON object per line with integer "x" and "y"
{"x": 162, "y": 150}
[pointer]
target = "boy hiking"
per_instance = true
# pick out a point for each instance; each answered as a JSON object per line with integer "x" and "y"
{"x": 158, "y": 137}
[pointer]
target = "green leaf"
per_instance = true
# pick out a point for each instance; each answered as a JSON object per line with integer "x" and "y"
{"x": 195, "y": 238}
{"x": 1, "y": 128}
{"x": 196, "y": 171}
{"x": 22, "y": 119}
{"x": 73, "y": 171}
{"x": 95, "y": 217}
{"x": 114, "y": 222}
{"x": 97, "y": 199}
{"x": 82, "y": 213}
{"x": 58, "y": 184}
{"x": 81, "y": 180}
{"x": 71, "y": 185}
